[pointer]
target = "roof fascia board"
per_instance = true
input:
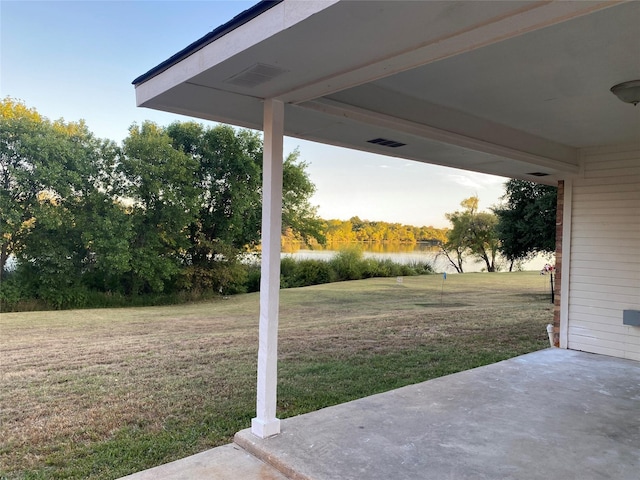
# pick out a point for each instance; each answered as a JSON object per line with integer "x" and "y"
{"x": 340, "y": 110}
{"x": 520, "y": 21}
{"x": 210, "y": 37}
{"x": 201, "y": 55}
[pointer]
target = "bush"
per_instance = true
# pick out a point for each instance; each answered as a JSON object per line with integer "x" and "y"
{"x": 419, "y": 268}
{"x": 301, "y": 273}
{"x": 222, "y": 276}
{"x": 313, "y": 272}
{"x": 388, "y": 268}
{"x": 24, "y": 290}
{"x": 64, "y": 297}
{"x": 253, "y": 278}
{"x": 10, "y": 293}
{"x": 288, "y": 268}
{"x": 348, "y": 264}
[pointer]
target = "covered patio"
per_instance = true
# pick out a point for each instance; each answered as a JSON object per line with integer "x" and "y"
{"x": 514, "y": 88}
{"x": 550, "y": 414}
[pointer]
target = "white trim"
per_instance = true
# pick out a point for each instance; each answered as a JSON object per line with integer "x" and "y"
{"x": 266, "y": 424}
{"x": 566, "y": 262}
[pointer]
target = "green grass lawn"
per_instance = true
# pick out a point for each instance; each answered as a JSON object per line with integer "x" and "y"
{"x": 104, "y": 393}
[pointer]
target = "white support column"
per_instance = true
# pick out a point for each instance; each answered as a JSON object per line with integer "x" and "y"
{"x": 266, "y": 424}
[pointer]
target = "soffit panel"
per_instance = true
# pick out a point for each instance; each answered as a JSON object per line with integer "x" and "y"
{"x": 553, "y": 83}
{"x": 346, "y": 132}
{"x": 383, "y": 101}
{"x": 340, "y": 39}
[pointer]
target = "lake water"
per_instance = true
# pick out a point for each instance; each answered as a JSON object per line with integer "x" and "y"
{"x": 412, "y": 253}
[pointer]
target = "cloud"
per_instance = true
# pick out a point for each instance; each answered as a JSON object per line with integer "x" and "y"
{"x": 465, "y": 181}
{"x": 478, "y": 181}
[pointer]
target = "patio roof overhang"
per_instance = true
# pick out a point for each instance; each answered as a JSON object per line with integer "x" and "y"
{"x": 509, "y": 88}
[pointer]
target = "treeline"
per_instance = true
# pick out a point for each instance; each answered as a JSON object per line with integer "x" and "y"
{"x": 355, "y": 230}
{"x": 168, "y": 211}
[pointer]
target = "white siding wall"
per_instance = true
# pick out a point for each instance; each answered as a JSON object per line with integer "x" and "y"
{"x": 605, "y": 253}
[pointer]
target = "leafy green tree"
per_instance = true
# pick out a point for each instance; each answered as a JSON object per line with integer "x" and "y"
{"x": 527, "y": 220}
{"x": 456, "y": 246}
{"x": 58, "y": 216}
{"x": 472, "y": 233}
{"x": 297, "y": 212}
{"x": 74, "y": 246}
{"x": 170, "y": 209}
{"x": 484, "y": 240}
{"x": 49, "y": 262}
{"x": 229, "y": 178}
{"x": 26, "y": 169}
{"x": 106, "y": 232}
{"x": 228, "y": 181}
{"x": 160, "y": 183}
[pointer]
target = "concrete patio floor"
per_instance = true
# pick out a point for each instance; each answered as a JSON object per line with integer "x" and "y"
{"x": 553, "y": 414}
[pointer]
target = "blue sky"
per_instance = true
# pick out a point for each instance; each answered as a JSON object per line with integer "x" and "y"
{"x": 76, "y": 60}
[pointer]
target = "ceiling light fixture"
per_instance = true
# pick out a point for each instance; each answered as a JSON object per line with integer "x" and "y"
{"x": 628, "y": 92}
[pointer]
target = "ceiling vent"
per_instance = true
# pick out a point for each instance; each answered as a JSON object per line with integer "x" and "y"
{"x": 386, "y": 143}
{"x": 538, "y": 174}
{"x": 255, "y": 75}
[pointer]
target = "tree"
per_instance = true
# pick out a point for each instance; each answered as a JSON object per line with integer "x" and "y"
{"x": 229, "y": 178}
{"x": 170, "y": 209}
{"x": 527, "y": 220}
{"x": 160, "y": 183}
{"x": 58, "y": 216}
{"x": 106, "y": 232}
{"x": 340, "y": 231}
{"x": 454, "y": 249}
{"x": 472, "y": 232}
{"x": 25, "y": 171}
{"x": 484, "y": 239}
{"x": 298, "y": 214}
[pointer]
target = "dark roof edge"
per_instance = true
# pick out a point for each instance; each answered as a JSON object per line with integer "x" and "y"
{"x": 220, "y": 31}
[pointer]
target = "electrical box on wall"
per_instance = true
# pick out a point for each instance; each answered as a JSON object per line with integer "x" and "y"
{"x": 631, "y": 317}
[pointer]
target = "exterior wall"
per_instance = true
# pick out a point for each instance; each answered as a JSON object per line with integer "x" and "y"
{"x": 604, "y": 271}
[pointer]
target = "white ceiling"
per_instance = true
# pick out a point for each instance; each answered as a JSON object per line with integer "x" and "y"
{"x": 502, "y": 87}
